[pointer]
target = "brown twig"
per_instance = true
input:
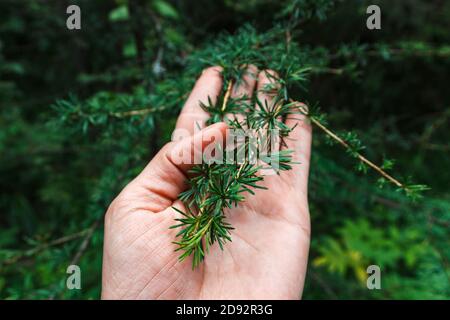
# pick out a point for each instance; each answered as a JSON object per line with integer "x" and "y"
{"x": 343, "y": 143}
{"x": 139, "y": 112}
{"x": 359, "y": 156}
{"x": 226, "y": 97}
{"x": 145, "y": 111}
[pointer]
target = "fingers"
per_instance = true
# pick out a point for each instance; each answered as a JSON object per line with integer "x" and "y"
{"x": 267, "y": 86}
{"x": 299, "y": 141}
{"x": 244, "y": 88}
{"x": 192, "y": 116}
{"x": 165, "y": 175}
{"x": 267, "y": 89}
{"x": 300, "y": 138}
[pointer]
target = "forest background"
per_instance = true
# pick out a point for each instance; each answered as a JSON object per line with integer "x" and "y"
{"x": 82, "y": 111}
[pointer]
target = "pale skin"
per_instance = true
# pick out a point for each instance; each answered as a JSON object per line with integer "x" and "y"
{"x": 268, "y": 255}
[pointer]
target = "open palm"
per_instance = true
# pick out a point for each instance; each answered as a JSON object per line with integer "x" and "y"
{"x": 268, "y": 254}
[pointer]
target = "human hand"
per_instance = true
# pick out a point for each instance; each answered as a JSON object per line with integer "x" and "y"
{"x": 267, "y": 257}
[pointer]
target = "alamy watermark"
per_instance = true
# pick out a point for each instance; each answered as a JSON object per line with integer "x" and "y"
{"x": 374, "y": 279}
{"x": 373, "y": 22}
{"x": 73, "y": 21}
{"x": 73, "y": 281}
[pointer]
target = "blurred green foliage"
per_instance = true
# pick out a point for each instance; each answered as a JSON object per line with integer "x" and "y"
{"x": 83, "y": 111}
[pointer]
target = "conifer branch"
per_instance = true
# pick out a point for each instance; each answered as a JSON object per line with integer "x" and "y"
{"x": 359, "y": 155}
{"x": 409, "y": 189}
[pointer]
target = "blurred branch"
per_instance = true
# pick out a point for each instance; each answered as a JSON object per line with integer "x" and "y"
{"x": 145, "y": 111}
{"x": 327, "y": 289}
{"x": 138, "y": 112}
{"x": 322, "y": 70}
{"x": 36, "y": 250}
{"x": 87, "y": 234}
{"x": 441, "y": 120}
{"x": 411, "y": 52}
{"x": 386, "y": 50}
{"x": 86, "y": 239}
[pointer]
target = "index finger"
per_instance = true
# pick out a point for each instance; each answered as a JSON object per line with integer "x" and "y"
{"x": 192, "y": 117}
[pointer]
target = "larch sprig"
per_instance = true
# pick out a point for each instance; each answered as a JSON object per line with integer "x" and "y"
{"x": 215, "y": 187}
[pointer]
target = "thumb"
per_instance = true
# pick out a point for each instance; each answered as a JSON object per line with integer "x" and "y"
{"x": 166, "y": 173}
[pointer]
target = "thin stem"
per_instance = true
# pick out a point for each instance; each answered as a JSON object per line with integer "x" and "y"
{"x": 360, "y": 157}
{"x": 139, "y": 112}
{"x": 145, "y": 111}
{"x": 227, "y": 95}
{"x": 347, "y": 146}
